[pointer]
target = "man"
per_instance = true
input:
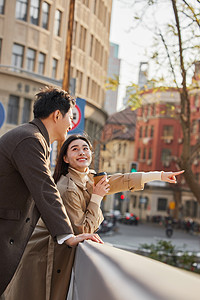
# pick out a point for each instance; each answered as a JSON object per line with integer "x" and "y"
{"x": 27, "y": 189}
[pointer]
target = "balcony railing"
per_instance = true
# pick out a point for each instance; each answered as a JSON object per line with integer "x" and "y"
{"x": 102, "y": 272}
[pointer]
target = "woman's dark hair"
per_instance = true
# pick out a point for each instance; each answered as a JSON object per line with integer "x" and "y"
{"x": 49, "y": 99}
{"x": 61, "y": 167}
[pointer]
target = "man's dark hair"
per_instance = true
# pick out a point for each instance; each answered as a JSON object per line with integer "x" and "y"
{"x": 49, "y": 99}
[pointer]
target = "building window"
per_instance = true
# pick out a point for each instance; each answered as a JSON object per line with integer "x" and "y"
{"x": 30, "y": 60}
{"x": 79, "y": 77}
{"x": 119, "y": 148}
{"x": 21, "y": 10}
{"x": 86, "y": 3}
{"x": 140, "y": 132}
{"x": 26, "y": 111}
{"x": 152, "y": 131}
{"x": 125, "y": 148}
{"x": 162, "y": 204}
{"x": 168, "y": 131}
{"x": 196, "y": 100}
{"x": 146, "y": 131}
{"x": 150, "y": 153}
{"x": 144, "y": 153}
{"x": 41, "y": 63}
{"x": 194, "y": 126}
{"x": 95, "y": 7}
{"x": 88, "y": 87}
{"x": 2, "y": 7}
{"x": 134, "y": 201}
{"x": 91, "y": 45}
{"x": 57, "y": 24}
{"x": 139, "y": 153}
{"x": 74, "y": 33}
{"x": 17, "y": 55}
{"x": 54, "y": 67}
{"x": 82, "y": 38}
{"x": 34, "y": 12}
{"x": 13, "y": 110}
{"x": 166, "y": 154}
{"x": 45, "y": 15}
{"x": 153, "y": 109}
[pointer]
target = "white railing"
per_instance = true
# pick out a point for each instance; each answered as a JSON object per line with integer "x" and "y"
{"x": 102, "y": 272}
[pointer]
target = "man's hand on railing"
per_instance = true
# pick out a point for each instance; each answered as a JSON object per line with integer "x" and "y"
{"x": 74, "y": 240}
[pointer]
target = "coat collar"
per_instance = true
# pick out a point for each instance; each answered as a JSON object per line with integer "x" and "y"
{"x": 81, "y": 179}
{"x": 42, "y": 129}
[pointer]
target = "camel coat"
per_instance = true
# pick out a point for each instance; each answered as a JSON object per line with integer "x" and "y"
{"x": 45, "y": 269}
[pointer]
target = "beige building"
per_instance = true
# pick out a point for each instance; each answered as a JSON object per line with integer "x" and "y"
{"x": 32, "y": 52}
{"x": 117, "y": 152}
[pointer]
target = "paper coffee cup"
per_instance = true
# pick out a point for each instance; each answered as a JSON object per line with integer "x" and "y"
{"x": 98, "y": 176}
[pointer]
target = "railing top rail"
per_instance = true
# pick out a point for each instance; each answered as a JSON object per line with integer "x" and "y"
{"x": 104, "y": 272}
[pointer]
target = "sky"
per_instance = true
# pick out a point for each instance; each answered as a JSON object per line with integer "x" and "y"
{"x": 132, "y": 43}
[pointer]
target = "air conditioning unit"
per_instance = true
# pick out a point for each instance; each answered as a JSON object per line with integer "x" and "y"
{"x": 168, "y": 141}
{"x": 166, "y": 163}
{"x": 195, "y": 162}
{"x": 180, "y": 140}
{"x": 149, "y": 161}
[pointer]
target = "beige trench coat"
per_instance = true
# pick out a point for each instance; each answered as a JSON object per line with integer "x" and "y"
{"x": 45, "y": 269}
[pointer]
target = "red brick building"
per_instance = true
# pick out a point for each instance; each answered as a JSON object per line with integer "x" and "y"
{"x": 158, "y": 134}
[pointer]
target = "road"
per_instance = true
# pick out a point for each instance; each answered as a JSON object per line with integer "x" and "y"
{"x": 130, "y": 237}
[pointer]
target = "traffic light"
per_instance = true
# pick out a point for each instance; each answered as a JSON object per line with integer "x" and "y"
{"x": 122, "y": 197}
{"x": 134, "y": 166}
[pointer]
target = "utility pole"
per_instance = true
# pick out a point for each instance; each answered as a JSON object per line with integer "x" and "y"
{"x": 66, "y": 76}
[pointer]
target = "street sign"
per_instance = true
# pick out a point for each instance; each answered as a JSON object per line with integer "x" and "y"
{"x": 2, "y": 114}
{"x": 78, "y": 117}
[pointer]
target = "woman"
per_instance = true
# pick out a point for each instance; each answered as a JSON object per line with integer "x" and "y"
{"x": 45, "y": 269}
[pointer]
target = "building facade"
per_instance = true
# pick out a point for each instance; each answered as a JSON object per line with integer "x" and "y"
{"x": 110, "y": 104}
{"x": 32, "y": 54}
{"x": 158, "y": 143}
{"x": 117, "y": 151}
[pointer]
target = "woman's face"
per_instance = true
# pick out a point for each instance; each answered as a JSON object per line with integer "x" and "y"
{"x": 79, "y": 155}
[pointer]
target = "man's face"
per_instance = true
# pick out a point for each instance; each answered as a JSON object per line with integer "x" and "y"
{"x": 64, "y": 125}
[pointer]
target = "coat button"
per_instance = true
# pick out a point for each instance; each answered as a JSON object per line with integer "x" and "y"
{"x": 11, "y": 241}
{"x": 27, "y": 220}
{"x": 58, "y": 271}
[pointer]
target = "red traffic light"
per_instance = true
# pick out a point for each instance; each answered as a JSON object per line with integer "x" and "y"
{"x": 122, "y": 197}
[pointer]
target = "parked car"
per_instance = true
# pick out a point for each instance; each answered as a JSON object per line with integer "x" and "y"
{"x": 129, "y": 218}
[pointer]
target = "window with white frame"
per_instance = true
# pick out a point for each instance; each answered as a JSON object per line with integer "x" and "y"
{"x": 57, "y": 24}
{"x": 2, "y": 3}
{"x": 21, "y": 10}
{"x": 54, "y": 67}
{"x": 30, "y": 60}
{"x": 41, "y": 63}
{"x": 17, "y": 55}
{"x": 34, "y": 11}
{"x": 45, "y": 15}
